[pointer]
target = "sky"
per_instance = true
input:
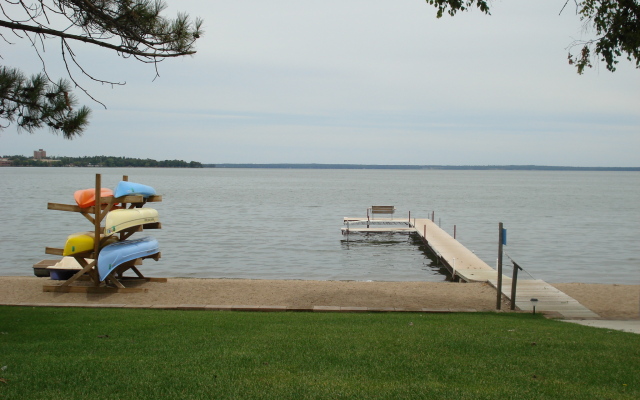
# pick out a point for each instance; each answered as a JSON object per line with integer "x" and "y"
{"x": 356, "y": 82}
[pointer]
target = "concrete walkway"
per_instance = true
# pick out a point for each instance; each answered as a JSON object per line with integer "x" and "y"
{"x": 624, "y": 326}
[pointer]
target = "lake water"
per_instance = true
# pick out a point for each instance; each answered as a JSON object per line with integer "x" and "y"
{"x": 285, "y": 223}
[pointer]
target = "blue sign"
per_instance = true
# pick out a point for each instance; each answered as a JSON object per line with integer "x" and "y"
{"x": 504, "y": 237}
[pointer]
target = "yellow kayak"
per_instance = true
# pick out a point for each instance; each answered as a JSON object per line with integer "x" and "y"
{"x": 119, "y": 220}
{"x": 81, "y": 242}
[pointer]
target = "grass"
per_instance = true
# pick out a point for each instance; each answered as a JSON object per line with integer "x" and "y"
{"x": 56, "y": 353}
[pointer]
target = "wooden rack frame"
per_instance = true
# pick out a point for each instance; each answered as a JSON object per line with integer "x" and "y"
{"x": 88, "y": 260}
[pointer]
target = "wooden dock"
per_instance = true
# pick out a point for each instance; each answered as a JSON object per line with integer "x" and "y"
{"x": 465, "y": 266}
{"x": 363, "y": 225}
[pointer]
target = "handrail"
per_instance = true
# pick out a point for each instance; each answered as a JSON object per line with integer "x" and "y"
{"x": 514, "y": 279}
{"x": 514, "y": 262}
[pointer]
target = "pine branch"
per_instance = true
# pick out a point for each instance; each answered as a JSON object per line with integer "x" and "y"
{"x": 85, "y": 39}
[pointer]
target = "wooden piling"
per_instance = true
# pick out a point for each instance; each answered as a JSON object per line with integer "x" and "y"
{"x": 499, "y": 288}
{"x": 514, "y": 285}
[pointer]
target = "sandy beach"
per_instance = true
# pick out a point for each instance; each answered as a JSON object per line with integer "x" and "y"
{"x": 607, "y": 300}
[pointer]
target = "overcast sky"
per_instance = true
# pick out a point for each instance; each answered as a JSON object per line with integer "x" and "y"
{"x": 358, "y": 81}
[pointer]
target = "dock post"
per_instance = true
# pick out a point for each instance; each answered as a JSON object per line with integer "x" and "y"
{"x": 453, "y": 275}
{"x": 433, "y": 213}
{"x": 409, "y": 219}
{"x": 499, "y": 288}
{"x": 514, "y": 284}
{"x": 347, "y": 231}
{"x": 454, "y": 231}
{"x": 97, "y": 218}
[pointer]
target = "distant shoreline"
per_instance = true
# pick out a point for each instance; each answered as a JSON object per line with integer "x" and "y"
{"x": 426, "y": 167}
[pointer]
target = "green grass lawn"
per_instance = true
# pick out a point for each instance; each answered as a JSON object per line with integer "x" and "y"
{"x": 57, "y": 353}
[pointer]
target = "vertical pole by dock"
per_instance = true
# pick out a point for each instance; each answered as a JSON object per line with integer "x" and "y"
{"x": 514, "y": 285}
{"x": 499, "y": 288}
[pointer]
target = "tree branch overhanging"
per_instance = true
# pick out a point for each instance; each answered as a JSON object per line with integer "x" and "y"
{"x": 131, "y": 28}
{"x": 616, "y": 24}
{"x": 122, "y": 49}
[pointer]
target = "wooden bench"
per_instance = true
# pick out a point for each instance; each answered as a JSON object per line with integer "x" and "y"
{"x": 389, "y": 210}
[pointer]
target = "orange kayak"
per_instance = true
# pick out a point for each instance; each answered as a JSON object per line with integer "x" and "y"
{"x": 87, "y": 197}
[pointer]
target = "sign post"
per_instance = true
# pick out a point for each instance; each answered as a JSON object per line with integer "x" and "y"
{"x": 501, "y": 241}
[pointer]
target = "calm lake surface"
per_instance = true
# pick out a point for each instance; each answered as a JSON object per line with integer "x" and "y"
{"x": 285, "y": 223}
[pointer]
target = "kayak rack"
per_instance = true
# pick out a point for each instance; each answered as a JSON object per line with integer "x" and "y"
{"x": 86, "y": 278}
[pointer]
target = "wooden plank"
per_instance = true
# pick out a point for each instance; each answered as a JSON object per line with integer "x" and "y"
{"x": 127, "y": 233}
{"x": 137, "y": 272}
{"x": 98, "y": 218}
{"x": 69, "y": 207}
{"x": 45, "y": 263}
{"x": 138, "y": 199}
{"x": 450, "y": 250}
{"x": 129, "y": 199}
{"x": 91, "y": 210}
{"x": 111, "y": 278}
{"x": 155, "y": 257}
{"x": 89, "y": 217}
{"x": 91, "y": 289}
{"x": 377, "y": 230}
{"x": 53, "y": 251}
{"x": 549, "y": 298}
{"x": 86, "y": 267}
{"x": 59, "y": 252}
{"x": 364, "y": 220}
{"x": 110, "y": 205}
{"x": 145, "y": 279}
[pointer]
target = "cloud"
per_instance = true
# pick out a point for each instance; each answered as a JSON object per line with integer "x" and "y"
{"x": 335, "y": 81}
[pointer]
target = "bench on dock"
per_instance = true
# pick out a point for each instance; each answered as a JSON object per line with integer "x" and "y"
{"x": 389, "y": 210}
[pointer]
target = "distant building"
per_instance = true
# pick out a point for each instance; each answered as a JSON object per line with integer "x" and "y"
{"x": 4, "y": 162}
{"x": 39, "y": 154}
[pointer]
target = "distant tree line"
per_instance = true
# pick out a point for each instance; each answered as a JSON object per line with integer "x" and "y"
{"x": 100, "y": 161}
{"x": 424, "y": 167}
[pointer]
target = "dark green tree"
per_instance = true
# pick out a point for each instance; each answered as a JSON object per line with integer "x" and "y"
{"x": 616, "y": 24}
{"x": 36, "y": 102}
{"x": 130, "y": 28}
{"x": 617, "y": 27}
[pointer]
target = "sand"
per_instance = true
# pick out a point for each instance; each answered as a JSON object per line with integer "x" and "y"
{"x": 294, "y": 293}
{"x": 608, "y": 301}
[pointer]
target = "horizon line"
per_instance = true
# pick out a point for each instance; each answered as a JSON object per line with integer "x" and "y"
{"x": 414, "y": 166}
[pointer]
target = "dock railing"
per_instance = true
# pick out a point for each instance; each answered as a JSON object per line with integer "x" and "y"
{"x": 514, "y": 279}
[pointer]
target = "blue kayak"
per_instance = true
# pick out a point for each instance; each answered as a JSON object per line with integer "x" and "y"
{"x": 115, "y": 254}
{"x": 126, "y": 188}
